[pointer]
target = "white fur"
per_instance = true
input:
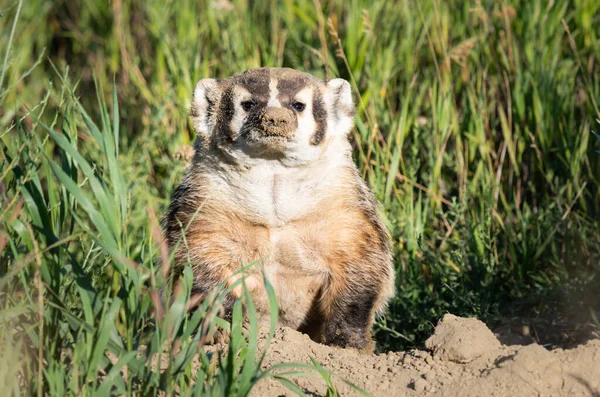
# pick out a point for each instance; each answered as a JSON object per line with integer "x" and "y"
{"x": 273, "y": 92}
{"x": 306, "y": 120}
{"x": 338, "y": 99}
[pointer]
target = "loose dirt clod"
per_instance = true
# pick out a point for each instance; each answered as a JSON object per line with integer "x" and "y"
{"x": 461, "y": 340}
{"x": 465, "y": 359}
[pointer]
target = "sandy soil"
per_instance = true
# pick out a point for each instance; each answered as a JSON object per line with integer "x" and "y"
{"x": 462, "y": 358}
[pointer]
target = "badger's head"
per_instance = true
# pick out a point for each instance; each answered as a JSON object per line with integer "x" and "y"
{"x": 272, "y": 113}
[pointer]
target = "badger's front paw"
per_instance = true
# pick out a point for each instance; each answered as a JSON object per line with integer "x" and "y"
{"x": 348, "y": 337}
{"x": 219, "y": 337}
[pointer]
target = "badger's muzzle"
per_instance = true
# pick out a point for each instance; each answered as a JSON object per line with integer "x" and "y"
{"x": 277, "y": 122}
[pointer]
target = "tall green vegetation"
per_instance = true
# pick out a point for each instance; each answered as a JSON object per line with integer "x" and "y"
{"x": 474, "y": 129}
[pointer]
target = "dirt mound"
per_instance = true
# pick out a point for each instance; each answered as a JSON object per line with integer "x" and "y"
{"x": 464, "y": 358}
{"x": 461, "y": 339}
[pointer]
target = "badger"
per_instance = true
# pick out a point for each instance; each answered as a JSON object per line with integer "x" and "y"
{"x": 272, "y": 181}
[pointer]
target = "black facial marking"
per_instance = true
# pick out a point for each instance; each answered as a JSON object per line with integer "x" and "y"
{"x": 257, "y": 83}
{"x": 227, "y": 112}
{"x": 288, "y": 88}
{"x": 320, "y": 116}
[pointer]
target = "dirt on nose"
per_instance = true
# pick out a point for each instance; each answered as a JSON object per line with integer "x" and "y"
{"x": 278, "y": 122}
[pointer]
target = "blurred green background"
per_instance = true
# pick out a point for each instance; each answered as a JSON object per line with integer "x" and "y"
{"x": 475, "y": 129}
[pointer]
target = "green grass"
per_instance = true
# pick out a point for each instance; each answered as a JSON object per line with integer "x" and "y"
{"x": 475, "y": 129}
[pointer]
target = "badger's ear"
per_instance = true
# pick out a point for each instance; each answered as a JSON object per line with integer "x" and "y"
{"x": 206, "y": 97}
{"x": 338, "y": 97}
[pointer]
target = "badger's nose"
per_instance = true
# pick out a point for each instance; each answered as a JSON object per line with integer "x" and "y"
{"x": 276, "y": 118}
{"x": 278, "y": 122}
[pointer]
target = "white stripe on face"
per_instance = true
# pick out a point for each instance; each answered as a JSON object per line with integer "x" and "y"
{"x": 240, "y": 94}
{"x": 273, "y": 91}
{"x": 306, "y": 121}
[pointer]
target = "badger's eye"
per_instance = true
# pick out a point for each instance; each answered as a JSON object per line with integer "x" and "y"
{"x": 247, "y": 105}
{"x": 298, "y": 106}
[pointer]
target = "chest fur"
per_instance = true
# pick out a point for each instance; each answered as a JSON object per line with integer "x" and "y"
{"x": 271, "y": 196}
